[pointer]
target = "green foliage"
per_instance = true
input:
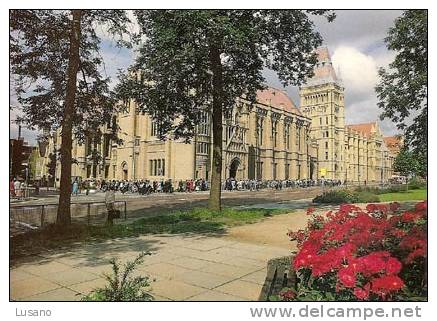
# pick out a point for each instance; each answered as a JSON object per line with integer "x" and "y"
{"x": 403, "y": 88}
{"x": 346, "y": 196}
{"x": 39, "y": 51}
{"x": 407, "y": 162}
{"x": 416, "y": 183}
{"x": 122, "y": 286}
{"x": 410, "y": 195}
{"x": 174, "y": 70}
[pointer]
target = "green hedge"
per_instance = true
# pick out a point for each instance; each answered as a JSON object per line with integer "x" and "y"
{"x": 346, "y": 196}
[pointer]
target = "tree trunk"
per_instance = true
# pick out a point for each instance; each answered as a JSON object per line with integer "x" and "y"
{"x": 217, "y": 130}
{"x": 64, "y": 212}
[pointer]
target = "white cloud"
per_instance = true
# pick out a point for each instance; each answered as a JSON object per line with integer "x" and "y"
{"x": 358, "y": 71}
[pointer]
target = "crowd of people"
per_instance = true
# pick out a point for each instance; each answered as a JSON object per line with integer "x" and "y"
{"x": 146, "y": 187}
{"x": 17, "y": 188}
{"x": 232, "y": 184}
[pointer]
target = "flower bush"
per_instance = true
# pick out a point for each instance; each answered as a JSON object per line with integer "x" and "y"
{"x": 376, "y": 253}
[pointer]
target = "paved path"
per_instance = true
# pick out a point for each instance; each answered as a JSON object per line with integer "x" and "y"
{"x": 199, "y": 268}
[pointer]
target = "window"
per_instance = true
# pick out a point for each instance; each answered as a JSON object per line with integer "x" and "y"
{"x": 327, "y": 120}
{"x": 259, "y": 170}
{"x": 114, "y": 170}
{"x": 275, "y": 165}
{"x": 202, "y": 148}
{"x": 275, "y": 133}
{"x": 260, "y": 131}
{"x": 154, "y": 128}
{"x": 326, "y": 145}
{"x": 137, "y": 141}
{"x": 203, "y": 128}
{"x": 287, "y": 171}
{"x": 157, "y": 167}
{"x": 287, "y": 135}
{"x": 320, "y": 120}
{"x": 326, "y": 156}
{"x": 327, "y": 134}
{"x": 298, "y": 137}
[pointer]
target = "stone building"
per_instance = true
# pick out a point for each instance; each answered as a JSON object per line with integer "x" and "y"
{"x": 267, "y": 140}
{"x": 353, "y": 153}
{"x": 270, "y": 139}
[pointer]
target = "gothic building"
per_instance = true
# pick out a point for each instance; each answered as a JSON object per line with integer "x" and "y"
{"x": 356, "y": 152}
{"x": 271, "y": 139}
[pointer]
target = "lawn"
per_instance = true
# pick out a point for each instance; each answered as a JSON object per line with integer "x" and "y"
{"x": 410, "y": 195}
{"x": 199, "y": 220}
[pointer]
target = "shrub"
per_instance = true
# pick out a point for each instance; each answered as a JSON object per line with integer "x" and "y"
{"x": 416, "y": 183}
{"x": 122, "y": 286}
{"x": 345, "y": 196}
{"x": 354, "y": 254}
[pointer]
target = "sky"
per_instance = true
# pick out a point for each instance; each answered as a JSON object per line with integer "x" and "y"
{"x": 356, "y": 42}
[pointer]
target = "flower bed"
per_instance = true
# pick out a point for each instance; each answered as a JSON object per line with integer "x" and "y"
{"x": 377, "y": 253}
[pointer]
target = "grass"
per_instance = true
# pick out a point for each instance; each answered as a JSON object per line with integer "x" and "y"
{"x": 198, "y": 220}
{"x": 410, "y": 195}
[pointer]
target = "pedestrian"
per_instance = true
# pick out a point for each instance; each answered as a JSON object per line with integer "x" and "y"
{"x": 75, "y": 187}
{"x": 17, "y": 188}
{"x": 12, "y": 188}
{"x": 110, "y": 202}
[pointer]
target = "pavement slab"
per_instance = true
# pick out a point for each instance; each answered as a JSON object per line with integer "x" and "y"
{"x": 31, "y": 286}
{"x": 204, "y": 280}
{"x": 247, "y": 290}
{"x": 215, "y": 296}
{"x": 61, "y": 294}
{"x": 70, "y": 277}
{"x": 175, "y": 290}
{"x": 230, "y": 267}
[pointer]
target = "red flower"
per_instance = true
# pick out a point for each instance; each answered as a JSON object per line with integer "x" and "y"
{"x": 410, "y": 216}
{"x": 388, "y": 283}
{"x": 310, "y": 210}
{"x": 394, "y": 206}
{"x": 393, "y": 266}
{"x": 422, "y": 206}
{"x": 362, "y": 293}
{"x": 287, "y": 295}
{"x": 347, "y": 277}
{"x": 346, "y": 250}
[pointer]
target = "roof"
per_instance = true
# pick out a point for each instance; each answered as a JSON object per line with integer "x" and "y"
{"x": 393, "y": 143}
{"x": 276, "y": 98}
{"x": 366, "y": 128}
{"x": 324, "y": 70}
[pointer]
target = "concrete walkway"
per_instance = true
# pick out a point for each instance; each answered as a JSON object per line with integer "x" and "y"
{"x": 199, "y": 268}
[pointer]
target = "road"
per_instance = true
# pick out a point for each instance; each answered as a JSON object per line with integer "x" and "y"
{"x": 156, "y": 204}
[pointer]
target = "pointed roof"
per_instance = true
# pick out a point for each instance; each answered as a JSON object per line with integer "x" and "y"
{"x": 366, "y": 129}
{"x": 276, "y": 98}
{"x": 393, "y": 144}
{"x": 324, "y": 70}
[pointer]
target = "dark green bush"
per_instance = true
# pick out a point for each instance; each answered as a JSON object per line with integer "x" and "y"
{"x": 416, "y": 183}
{"x": 346, "y": 196}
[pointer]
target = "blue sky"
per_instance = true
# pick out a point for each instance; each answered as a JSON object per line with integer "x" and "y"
{"x": 355, "y": 40}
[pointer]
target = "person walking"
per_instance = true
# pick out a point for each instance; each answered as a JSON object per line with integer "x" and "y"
{"x": 110, "y": 205}
{"x": 17, "y": 188}
{"x": 75, "y": 188}
{"x": 12, "y": 188}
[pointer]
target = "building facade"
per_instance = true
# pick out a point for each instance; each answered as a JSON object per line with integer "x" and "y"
{"x": 353, "y": 153}
{"x": 271, "y": 139}
{"x": 268, "y": 140}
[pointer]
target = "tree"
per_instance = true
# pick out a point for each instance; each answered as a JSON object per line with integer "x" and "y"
{"x": 403, "y": 87}
{"x": 203, "y": 60}
{"x": 405, "y": 163}
{"x": 56, "y": 66}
